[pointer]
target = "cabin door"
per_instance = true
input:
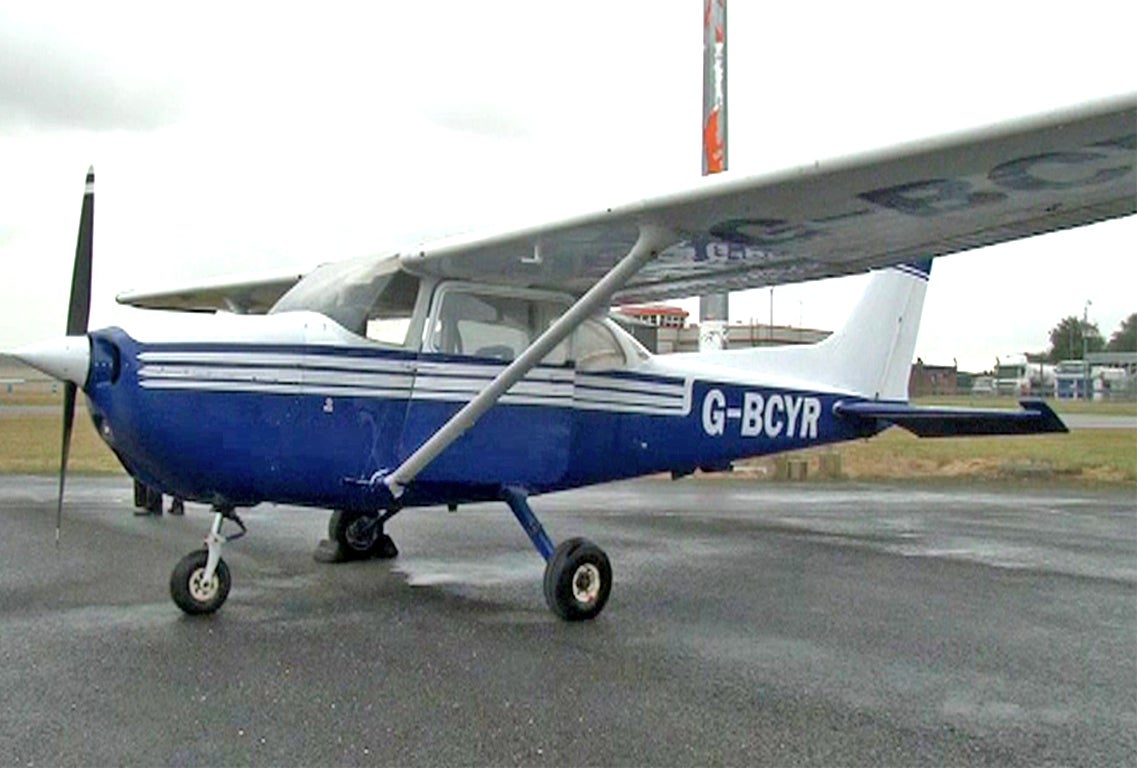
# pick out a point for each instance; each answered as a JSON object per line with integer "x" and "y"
{"x": 472, "y": 333}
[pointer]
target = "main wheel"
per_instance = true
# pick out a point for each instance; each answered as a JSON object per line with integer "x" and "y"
{"x": 191, "y": 593}
{"x": 578, "y": 580}
{"x": 360, "y": 536}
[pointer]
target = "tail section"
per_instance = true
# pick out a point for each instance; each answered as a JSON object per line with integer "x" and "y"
{"x": 870, "y": 356}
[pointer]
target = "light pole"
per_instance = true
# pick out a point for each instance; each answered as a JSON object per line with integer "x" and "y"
{"x": 1085, "y": 350}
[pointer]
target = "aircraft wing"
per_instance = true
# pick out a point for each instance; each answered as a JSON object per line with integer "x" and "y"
{"x": 247, "y": 296}
{"x": 1012, "y": 180}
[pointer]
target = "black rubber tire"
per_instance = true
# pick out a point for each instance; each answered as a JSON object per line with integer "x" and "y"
{"x": 385, "y": 548}
{"x": 578, "y": 580}
{"x": 139, "y": 494}
{"x": 360, "y": 536}
{"x": 190, "y": 597}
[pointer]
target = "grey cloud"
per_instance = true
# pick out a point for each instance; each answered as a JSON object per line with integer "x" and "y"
{"x": 49, "y": 83}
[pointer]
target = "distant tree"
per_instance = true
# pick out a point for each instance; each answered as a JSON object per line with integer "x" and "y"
{"x": 1124, "y": 339}
{"x": 1066, "y": 339}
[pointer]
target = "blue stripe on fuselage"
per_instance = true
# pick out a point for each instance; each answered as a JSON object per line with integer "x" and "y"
{"x": 247, "y": 423}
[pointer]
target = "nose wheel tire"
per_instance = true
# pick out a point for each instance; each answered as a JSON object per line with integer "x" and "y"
{"x": 193, "y": 594}
{"x": 578, "y": 580}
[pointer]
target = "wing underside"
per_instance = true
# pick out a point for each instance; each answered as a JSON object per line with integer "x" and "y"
{"x": 920, "y": 200}
{"x": 1016, "y": 179}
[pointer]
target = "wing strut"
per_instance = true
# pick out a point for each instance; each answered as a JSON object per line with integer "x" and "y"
{"x": 652, "y": 240}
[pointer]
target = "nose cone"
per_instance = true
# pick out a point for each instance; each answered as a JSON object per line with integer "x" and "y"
{"x": 66, "y": 359}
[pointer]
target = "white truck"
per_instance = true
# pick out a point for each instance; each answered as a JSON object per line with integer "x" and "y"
{"x": 1016, "y": 375}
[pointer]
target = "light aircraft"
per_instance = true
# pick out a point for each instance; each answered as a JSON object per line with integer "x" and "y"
{"x": 484, "y": 368}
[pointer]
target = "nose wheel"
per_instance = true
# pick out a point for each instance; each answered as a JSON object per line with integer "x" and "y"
{"x": 192, "y": 591}
{"x": 200, "y": 581}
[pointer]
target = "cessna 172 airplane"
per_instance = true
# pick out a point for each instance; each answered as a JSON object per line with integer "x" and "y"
{"x": 485, "y": 369}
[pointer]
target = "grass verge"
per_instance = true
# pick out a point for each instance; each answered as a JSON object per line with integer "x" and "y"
{"x": 29, "y": 444}
{"x": 1083, "y": 456}
{"x": 1100, "y": 408}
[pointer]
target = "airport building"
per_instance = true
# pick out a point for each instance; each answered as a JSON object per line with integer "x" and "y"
{"x": 663, "y": 329}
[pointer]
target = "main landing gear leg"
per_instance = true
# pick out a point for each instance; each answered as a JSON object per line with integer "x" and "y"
{"x": 578, "y": 576}
{"x": 200, "y": 581}
{"x": 356, "y": 536}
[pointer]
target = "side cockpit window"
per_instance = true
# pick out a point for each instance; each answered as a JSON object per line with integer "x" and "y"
{"x": 487, "y": 324}
{"x": 389, "y": 319}
{"x": 491, "y": 323}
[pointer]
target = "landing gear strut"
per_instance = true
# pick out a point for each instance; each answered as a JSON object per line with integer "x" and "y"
{"x": 578, "y": 576}
{"x": 200, "y": 581}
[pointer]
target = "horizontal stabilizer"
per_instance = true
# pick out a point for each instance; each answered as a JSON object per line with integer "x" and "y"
{"x": 1036, "y": 417}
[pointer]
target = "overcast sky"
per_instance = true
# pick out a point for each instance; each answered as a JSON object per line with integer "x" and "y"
{"x": 241, "y": 139}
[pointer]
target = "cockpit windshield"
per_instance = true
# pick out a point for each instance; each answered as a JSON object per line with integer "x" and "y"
{"x": 357, "y": 294}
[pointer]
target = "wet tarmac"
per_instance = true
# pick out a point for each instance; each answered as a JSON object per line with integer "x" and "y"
{"x": 749, "y": 624}
{"x": 1073, "y": 421}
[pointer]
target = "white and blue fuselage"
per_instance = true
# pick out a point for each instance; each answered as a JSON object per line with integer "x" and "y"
{"x": 308, "y": 414}
{"x": 293, "y": 407}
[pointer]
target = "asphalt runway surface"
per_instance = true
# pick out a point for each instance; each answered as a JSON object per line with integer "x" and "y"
{"x": 1072, "y": 420}
{"x": 750, "y": 624}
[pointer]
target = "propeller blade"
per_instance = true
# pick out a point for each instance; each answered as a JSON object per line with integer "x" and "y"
{"x": 80, "y": 308}
{"x": 78, "y": 314}
{"x": 69, "y": 390}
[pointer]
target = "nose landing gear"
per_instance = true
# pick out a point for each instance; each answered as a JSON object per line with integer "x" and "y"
{"x": 200, "y": 581}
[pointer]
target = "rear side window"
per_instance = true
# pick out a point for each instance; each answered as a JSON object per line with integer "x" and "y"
{"x": 594, "y": 348}
{"x": 493, "y": 325}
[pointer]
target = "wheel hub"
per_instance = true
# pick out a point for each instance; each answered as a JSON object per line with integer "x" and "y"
{"x": 201, "y": 590}
{"x": 586, "y": 584}
{"x": 361, "y": 534}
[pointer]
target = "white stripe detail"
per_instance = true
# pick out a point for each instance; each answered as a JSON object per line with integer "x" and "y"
{"x": 277, "y": 359}
{"x": 601, "y": 383}
{"x": 668, "y": 397}
{"x": 912, "y": 271}
{"x": 272, "y": 388}
{"x": 275, "y": 375}
{"x": 330, "y": 375}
